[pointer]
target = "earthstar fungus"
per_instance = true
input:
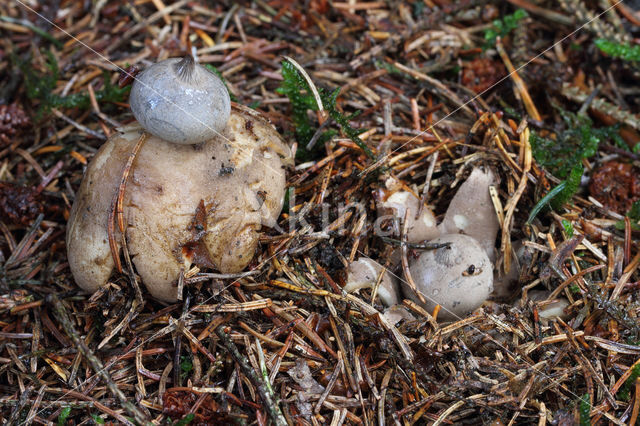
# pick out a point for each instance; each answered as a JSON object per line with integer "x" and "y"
{"x": 197, "y": 192}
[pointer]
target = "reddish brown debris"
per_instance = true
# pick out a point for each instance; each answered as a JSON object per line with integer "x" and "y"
{"x": 179, "y": 402}
{"x": 616, "y": 185}
{"x": 13, "y": 119}
{"x": 18, "y": 204}
{"x": 482, "y": 73}
{"x": 128, "y": 75}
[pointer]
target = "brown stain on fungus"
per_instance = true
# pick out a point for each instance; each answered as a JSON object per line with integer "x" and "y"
{"x": 195, "y": 250}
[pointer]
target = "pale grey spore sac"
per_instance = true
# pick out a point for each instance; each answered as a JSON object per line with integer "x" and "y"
{"x": 180, "y": 101}
{"x": 459, "y": 277}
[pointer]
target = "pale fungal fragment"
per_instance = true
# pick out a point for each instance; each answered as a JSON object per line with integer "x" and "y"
{"x": 180, "y": 101}
{"x": 459, "y": 277}
{"x": 471, "y": 211}
{"x": 397, "y": 313}
{"x": 548, "y": 311}
{"x": 419, "y": 229}
{"x": 364, "y": 273}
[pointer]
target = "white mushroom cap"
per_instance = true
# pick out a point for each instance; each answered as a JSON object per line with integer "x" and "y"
{"x": 459, "y": 278}
{"x": 180, "y": 101}
{"x": 471, "y": 211}
{"x": 364, "y": 272}
{"x": 419, "y": 229}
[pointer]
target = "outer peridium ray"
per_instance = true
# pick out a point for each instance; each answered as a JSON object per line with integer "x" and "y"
{"x": 116, "y": 211}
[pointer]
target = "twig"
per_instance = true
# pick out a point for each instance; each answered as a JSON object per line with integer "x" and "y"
{"x": 61, "y": 314}
{"x": 545, "y": 13}
{"x": 268, "y": 399}
{"x": 116, "y": 212}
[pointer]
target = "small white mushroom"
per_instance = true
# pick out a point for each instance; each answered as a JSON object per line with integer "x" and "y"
{"x": 180, "y": 101}
{"x": 364, "y": 273}
{"x": 459, "y": 277}
{"x": 420, "y": 228}
{"x": 471, "y": 211}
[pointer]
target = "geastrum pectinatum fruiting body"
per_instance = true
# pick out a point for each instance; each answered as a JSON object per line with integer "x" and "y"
{"x": 456, "y": 271}
{"x": 205, "y": 177}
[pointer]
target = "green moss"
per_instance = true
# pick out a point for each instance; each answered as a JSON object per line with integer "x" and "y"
{"x": 63, "y": 416}
{"x": 185, "y": 366}
{"x": 625, "y": 52}
{"x": 329, "y": 103}
{"x": 559, "y": 195}
{"x": 568, "y": 227}
{"x": 572, "y": 183}
{"x": 40, "y": 85}
{"x": 502, "y": 27}
{"x": 97, "y": 419}
{"x": 579, "y": 140}
{"x": 634, "y": 216}
{"x": 634, "y": 212}
{"x": 563, "y": 156}
{"x": 625, "y": 391}
{"x": 301, "y": 98}
{"x": 296, "y": 88}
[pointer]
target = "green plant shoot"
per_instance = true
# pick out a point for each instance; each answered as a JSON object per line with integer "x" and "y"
{"x": 502, "y": 27}
{"x": 295, "y": 87}
{"x": 40, "y": 86}
{"x": 625, "y": 52}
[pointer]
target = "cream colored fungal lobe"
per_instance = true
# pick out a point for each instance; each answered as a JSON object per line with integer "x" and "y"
{"x": 459, "y": 277}
{"x": 471, "y": 211}
{"x": 183, "y": 204}
{"x": 396, "y": 313}
{"x": 548, "y": 311}
{"x": 364, "y": 272}
{"x": 422, "y": 228}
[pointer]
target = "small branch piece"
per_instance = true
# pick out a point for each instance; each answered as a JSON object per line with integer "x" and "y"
{"x": 268, "y": 398}
{"x": 60, "y": 311}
